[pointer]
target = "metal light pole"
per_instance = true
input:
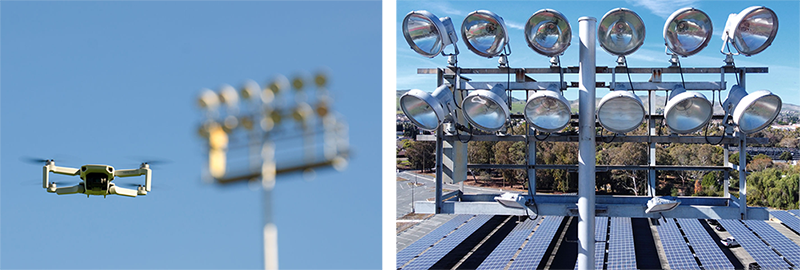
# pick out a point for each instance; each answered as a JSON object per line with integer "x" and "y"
{"x": 251, "y": 117}
{"x": 586, "y": 143}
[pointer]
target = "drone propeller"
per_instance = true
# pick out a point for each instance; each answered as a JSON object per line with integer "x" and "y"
{"x": 34, "y": 160}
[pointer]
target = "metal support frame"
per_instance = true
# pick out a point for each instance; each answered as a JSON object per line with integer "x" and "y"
{"x": 586, "y": 144}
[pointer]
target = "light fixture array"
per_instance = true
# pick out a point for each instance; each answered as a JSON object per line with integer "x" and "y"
{"x": 620, "y": 32}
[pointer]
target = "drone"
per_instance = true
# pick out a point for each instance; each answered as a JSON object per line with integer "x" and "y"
{"x": 96, "y": 180}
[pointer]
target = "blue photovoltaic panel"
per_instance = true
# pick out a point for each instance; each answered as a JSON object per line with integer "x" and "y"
{"x": 675, "y": 248}
{"x": 531, "y": 255}
{"x": 711, "y": 257}
{"x": 426, "y": 241}
{"x": 788, "y": 219}
{"x": 600, "y": 231}
{"x": 439, "y": 250}
{"x": 505, "y": 251}
{"x": 776, "y": 240}
{"x": 795, "y": 212}
{"x": 763, "y": 254}
{"x": 621, "y": 252}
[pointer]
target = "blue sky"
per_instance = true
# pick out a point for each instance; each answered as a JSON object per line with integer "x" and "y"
{"x": 782, "y": 58}
{"x": 113, "y": 82}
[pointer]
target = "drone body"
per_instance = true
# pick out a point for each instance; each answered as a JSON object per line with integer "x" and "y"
{"x": 96, "y": 180}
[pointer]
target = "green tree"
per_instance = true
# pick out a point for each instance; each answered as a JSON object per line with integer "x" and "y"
{"x": 785, "y": 156}
{"x": 421, "y": 154}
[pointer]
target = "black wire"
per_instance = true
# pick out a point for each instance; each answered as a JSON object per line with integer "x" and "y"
{"x": 604, "y": 140}
{"x": 533, "y": 202}
{"x": 537, "y": 137}
{"x": 733, "y": 64}
{"x": 629, "y": 74}
{"x": 680, "y": 68}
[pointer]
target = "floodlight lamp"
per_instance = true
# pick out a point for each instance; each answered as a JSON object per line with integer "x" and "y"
{"x": 548, "y": 32}
{"x": 487, "y": 109}
{"x": 427, "y": 34}
{"x": 208, "y": 99}
{"x": 485, "y": 33}
{"x": 621, "y": 32}
{"x": 511, "y": 200}
{"x": 687, "y": 31}
{"x": 620, "y": 111}
{"x": 661, "y": 204}
{"x": 752, "y": 112}
{"x": 687, "y": 111}
{"x": 751, "y": 31}
{"x": 548, "y": 110}
{"x": 228, "y": 95}
{"x": 428, "y": 111}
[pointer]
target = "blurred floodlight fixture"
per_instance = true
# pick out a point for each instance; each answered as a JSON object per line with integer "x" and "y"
{"x": 484, "y": 33}
{"x": 687, "y": 31}
{"x": 228, "y": 95}
{"x": 428, "y": 111}
{"x": 487, "y": 109}
{"x": 620, "y": 111}
{"x": 752, "y": 112}
{"x": 687, "y": 111}
{"x": 548, "y": 110}
{"x": 621, "y": 32}
{"x": 427, "y": 34}
{"x": 752, "y": 30}
{"x": 208, "y": 99}
{"x": 548, "y": 32}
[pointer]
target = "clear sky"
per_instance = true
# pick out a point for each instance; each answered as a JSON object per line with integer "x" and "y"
{"x": 113, "y": 82}
{"x": 782, "y": 58}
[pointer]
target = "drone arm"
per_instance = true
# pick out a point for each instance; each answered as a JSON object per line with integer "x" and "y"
{"x": 51, "y": 167}
{"x": 144, "y": 170}
{"x": 122, "y": 191}
{"x": 70, "y": 190}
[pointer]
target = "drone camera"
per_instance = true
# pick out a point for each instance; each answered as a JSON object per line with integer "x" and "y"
{"x": 97, "y": 178}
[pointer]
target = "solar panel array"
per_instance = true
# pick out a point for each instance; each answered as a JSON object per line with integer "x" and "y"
{"x": 762, "y": 253}
{"x": 440, "y": 249}
{"x": 600, "y": 233}
{"x": 678, "y": 254}
{"x": 711, "y": 257}
{"x": 795, "y": 212}
{"x": 531, "y": 254}
{"x": 505, "y": 251}
{"x": 776, "y": 240}
{"x": 788, "y": 219}
{"x": 621, "y": 252}
{"x": 429, "y": 239}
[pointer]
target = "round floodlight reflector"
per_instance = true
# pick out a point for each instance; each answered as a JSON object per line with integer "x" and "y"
{"x": 424, "y": 32}
{"x": 621, "y": 32}
{"x": 547, "y": 110}
{"x": 548, "y": 32}
{"x": 687, "y": 31}
{"x": 486, "y": 109}
{"x": 756, "y": 111}
{"x": 485, "y": 33}
{"x": 752, "y": 30}
{"x": 687, "y": 111}
{"x": 427, "y": 111}
{"x": 620, "y": 111}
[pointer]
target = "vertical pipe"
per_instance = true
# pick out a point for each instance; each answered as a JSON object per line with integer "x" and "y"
{"x": 726, "y": 173}
{"x": 651, "y": 123}
{"x": 531, "y": 160}
{"x": 586, "y": 143}
{"x": 742, "y": 175}
{"x": 439, "y": 142}
{"x": 268, "y": 172}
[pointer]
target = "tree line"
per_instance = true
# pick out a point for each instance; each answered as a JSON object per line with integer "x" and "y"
{"x": 770, "y": 183}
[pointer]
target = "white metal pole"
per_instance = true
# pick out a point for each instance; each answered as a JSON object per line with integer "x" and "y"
{"x": 586, "y": 143}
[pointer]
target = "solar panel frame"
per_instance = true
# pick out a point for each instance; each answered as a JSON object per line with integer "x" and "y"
{"x": 621, "y": 249}
{"x": 505, "y": 251}
{"x": 776, "y": 240}
{"x": 676, "y": 249}
{"x": 600, "y": 234}
{"x": 439, "y": 250}
{"x": 763, "y": 254}
{"x": 704, "y": 246}
{"x": 531, "y": 254}
{"x": 405, "y": 255}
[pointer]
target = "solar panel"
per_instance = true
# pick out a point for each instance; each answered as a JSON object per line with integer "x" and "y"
{"x": 790, "y": 220}
{"x": 621, "y": 252}
{"x": 678, "y": 254}
{"x": 776, "y": 240}
{"x": 505, "y": 251}
{"x": 531, "y": 254}
{"x": 762, "y": 253}
{"x": 440, "y": 249}
{"x": 414, "y": 249}
{"x": 600, "y": 233}
{"x": 795, "y": 212}
{"x": 711, "y": 257}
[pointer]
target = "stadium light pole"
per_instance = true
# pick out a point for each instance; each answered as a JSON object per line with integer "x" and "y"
{"x": 586, "y": 143}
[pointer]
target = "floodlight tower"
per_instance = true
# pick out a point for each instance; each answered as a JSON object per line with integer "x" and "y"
{"x": 254, "y": 124}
